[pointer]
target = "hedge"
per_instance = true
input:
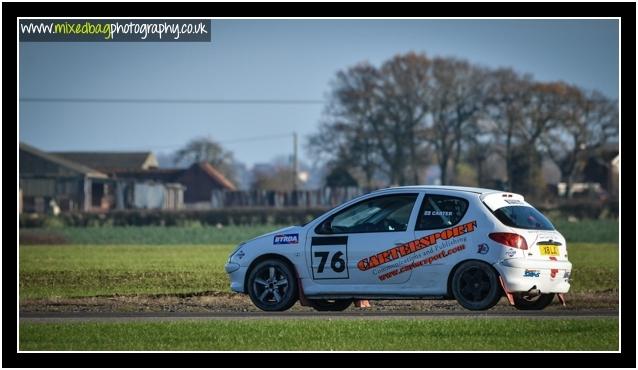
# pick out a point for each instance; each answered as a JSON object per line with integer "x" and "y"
{"x": 579, "y": 208}
{"x": 236, "y": 216}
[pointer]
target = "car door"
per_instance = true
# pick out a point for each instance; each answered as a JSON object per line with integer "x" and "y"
{"x": 353, "y": 247}
{"x": 443, "y": 228}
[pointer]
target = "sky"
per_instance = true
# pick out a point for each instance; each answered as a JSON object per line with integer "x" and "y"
{"x": 271, "y": 59}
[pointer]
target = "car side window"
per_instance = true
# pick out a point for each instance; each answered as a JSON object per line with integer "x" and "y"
{"x": 380, "y": 214}
{"x": 440, "y": 211}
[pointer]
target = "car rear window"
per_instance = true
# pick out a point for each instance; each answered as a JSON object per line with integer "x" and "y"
{"x": 523, "y": 217}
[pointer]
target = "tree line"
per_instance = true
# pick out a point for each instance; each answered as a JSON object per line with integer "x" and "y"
{"x": 385, "y": 124}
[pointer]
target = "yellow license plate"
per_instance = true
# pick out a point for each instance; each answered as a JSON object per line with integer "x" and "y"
{"x": 549, "y": 250}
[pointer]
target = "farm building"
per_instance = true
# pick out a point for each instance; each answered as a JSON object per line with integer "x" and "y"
{"x": 99, "y": 181}
{"x": 45, "y": 177}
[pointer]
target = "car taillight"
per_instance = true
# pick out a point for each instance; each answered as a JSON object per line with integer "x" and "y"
{"x": 509, "y": 239}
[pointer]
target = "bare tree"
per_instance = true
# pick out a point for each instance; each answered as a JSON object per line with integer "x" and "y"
{"x": 508, "y": 95}
{"x": 456, "y": 102}
{"x": 375, "y": 119}
{"x": 587, "y": 122}
{"x": 207, "y": 150}
{"x": 345, "y": 136}
{"x": 393, "y": 119}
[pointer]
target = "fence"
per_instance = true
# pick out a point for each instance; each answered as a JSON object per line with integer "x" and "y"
{"x": 326, "y": 197}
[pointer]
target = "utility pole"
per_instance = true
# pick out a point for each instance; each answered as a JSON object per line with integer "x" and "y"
{"x": 294, "y": 168}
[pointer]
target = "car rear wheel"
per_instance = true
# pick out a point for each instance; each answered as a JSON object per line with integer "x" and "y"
{"x": 330, "y": 304}
{"x": 475, "y": 286}
{"x": 272, "y": 285}
{"x": 523, "y": 301}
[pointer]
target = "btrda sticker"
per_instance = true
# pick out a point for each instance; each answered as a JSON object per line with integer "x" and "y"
{"x": 286, "y": 239}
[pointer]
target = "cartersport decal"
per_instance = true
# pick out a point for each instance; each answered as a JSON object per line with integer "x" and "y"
{"x": 414, "y": 246}
{"x": 286, "y": 239}
{"x": 411, "y": 266}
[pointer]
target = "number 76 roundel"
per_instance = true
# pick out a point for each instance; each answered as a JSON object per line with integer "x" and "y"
{"x": 329, "y": 258}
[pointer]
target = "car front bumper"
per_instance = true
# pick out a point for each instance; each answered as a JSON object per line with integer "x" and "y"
{"x": 237, "y": 274}
{"x": 521, "y": 275}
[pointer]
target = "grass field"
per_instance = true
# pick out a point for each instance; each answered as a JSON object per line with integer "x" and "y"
{"x": 84, "y": 271}
{"x": 143, "y": 235}
{"x": 324, "y": 335}
{"x": 155, "y": 260}
{"x": 586, "y": 231}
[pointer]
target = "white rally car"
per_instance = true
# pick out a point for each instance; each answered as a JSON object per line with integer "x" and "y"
{"x": 417, "y": 242}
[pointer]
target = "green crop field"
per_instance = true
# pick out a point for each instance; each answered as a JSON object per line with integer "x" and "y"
{"x": 585, "y": 231}
{"x": 113, "y": 261}
{"x": 143, "y": 235}
{"x": 92, "y": 270}
{"x": 328, "y": 335}
{"x": 84, "y": 271}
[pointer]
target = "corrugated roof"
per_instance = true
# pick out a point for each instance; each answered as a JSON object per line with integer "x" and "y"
{"x": 111, "y": 161}
{"x": 174, "y": 174}
{"x": 74, "y": 166}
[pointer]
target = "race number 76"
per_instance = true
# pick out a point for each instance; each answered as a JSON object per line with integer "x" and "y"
{"x": 330, "y": 263}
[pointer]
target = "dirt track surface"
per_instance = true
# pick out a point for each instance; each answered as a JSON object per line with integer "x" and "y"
{"x": 228, "y": 303}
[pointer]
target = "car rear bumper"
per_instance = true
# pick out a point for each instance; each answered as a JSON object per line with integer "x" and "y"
{"x": 521, "y": 275}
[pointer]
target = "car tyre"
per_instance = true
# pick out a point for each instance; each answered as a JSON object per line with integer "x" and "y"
{"x": 475, "y": 286}
{"x": 272, "y": 285}
{"x": 524, "y": 302}
{"x": 330, "y": 304}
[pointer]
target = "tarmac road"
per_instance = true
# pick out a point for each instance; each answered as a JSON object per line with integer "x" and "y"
{"x": 71, "y": 317}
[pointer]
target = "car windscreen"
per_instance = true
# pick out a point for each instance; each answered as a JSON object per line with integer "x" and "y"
{"x": 523, "y": 217}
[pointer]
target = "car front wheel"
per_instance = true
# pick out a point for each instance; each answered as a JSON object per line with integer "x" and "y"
{"x": 475, "y": 286}
{"x": 272, "y": 285}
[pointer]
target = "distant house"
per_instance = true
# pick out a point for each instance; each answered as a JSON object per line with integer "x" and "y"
{"x": 199, "y": 181}
{"x": 99, "y": 181}
{"x": 45, "y": 177}
{"x": 603, "y": 167}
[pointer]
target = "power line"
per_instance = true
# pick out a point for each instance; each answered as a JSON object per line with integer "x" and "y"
{"x": 173, "y": 101}
{"x": 231, "y": 141}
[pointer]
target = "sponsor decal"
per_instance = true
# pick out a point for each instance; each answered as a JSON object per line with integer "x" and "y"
{"x": 286, "y": 239}
{"x": 415, "y": 246}
{"x": 510, "y": 252}
{"x": 437, "y": 213}
{"x": 241, "y": 254}
{"x": 532, "y": 273}
{"x": 426, "y": 261}
{"x": 566, "y": 275}
{"x": 553, "y": 273}
{"x": 513, "y": 201}
{"x": 483, "y": 248}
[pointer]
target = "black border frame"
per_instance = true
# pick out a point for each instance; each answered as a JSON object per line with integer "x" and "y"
{"x": 626, "y": 11}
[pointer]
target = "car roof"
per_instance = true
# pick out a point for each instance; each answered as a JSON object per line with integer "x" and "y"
{"x": 480, "y": 191}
